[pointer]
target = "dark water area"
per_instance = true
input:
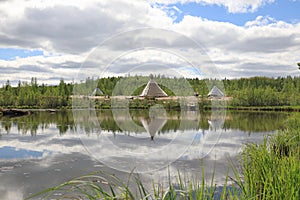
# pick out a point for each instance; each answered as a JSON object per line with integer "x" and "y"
{"x": 45, "y": 149}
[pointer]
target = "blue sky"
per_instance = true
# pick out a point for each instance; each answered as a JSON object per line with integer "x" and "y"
{"x": 52, "y": 39}
{"x": 285, "y": 10}
{"x": 12, "y": 53}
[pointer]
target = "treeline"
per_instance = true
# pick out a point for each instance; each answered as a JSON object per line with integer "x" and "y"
{"x": 263, "y": 91}
{"x": 255, "y": 91}
{"x": 32, "y": 95}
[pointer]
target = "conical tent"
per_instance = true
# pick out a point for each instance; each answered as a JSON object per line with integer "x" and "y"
{"x": 215, "y": 92}
{"x": 97, "y": 92}
{"x": 152, "y": 89}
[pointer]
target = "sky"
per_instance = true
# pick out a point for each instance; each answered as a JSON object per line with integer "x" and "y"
{"x": 53, "y": 39}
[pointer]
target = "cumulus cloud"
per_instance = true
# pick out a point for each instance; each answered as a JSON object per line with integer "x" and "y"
{"x": 260, "y": 21}
{"x": 233, "y": 6}
{"x": 263, "y": 42}
{"x": 42, "y": 67}
{"x": 68, "y": 31}
{"x": 262, "y": 38}
{"x": 72, "y": 27}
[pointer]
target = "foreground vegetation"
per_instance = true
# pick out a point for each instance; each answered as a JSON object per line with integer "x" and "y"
{"x": 282, "y": 92}
{"x": 270, "y": 170}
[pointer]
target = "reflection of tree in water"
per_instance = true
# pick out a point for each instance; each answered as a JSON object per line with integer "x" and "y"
{"x": 86, "y": 120}
{"x": 39, "y": 120}
{"x": 64, "y": 121}
{"x": 246, "y": 121}
{"x": 215, "y": 124}
{"x": 6, "y": 125}
{"x": 255, "y": 121}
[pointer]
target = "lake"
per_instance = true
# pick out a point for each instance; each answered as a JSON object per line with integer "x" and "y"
{"x": 47, "y": 148}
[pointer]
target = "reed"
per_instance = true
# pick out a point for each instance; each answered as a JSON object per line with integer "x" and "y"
{"x": 99, "y": 185}
{"x": 271, "y": 170}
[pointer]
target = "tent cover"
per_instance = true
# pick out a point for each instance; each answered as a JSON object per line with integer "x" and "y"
{"x": 152, "y": 89}
{"x": 215, "y": 92}
{"x": 97, "y": 92}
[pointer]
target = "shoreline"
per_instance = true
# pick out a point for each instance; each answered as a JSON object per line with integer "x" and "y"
{"x": 205, "y": 108}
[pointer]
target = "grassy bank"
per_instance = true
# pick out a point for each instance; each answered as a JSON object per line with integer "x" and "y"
{"x": 270, "y": 170}
{"x": 266, "y": 108}
{"x": 168, "y": 104}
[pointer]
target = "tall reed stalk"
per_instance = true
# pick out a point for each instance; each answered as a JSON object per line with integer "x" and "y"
{"x": 271, "y": 170}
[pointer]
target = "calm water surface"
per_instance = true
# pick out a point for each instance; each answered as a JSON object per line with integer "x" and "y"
{"x": 45, "y": 149}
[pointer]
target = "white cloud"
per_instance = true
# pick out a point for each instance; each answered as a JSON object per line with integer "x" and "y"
{"x": 68, "y": 30}
{"x": 49, "y": 69}
{"x": 260, "y": 21}
{"x": 233, "y": 6}
{"x": 72, "y": 27}
{"x": 261, "y": 43}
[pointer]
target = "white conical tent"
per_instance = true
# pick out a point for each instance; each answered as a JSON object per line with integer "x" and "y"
{"x": 97, "y": 92}
{"x": 152, "y": 89}
{"x": 215, "y": 92}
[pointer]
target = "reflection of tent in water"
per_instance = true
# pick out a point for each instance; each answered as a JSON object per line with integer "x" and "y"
{"x": 215, "y": 124}
{"x": 97, "y": 92}
{"x": 154, "y": 125}
{"x": 216, "y": 92}
{"x": 152, "y": 89}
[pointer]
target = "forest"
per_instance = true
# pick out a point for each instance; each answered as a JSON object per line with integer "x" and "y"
{"x": 32, "y": 95}
{"x": 246, "y": 92}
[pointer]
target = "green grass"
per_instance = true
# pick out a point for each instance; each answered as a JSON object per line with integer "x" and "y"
{"x": 269, "y": 174}
{"x": 265, "y": 108}
{"x": 270, "y": 170}
{"x": 99, "y": 185}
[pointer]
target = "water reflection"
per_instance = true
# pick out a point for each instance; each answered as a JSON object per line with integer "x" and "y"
{"x": 64, "y": 121}
{"x": 153, "y": 126}
{"x": 129, "y": 146}
{"x": 8, "y": 152}
{"x": 47, "y": 146}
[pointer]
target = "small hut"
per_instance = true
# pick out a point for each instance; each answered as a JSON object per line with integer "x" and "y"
{"x": 97, "y": 92}
{"x": 215, "y": 92}
{"x": 152, "y": 89}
